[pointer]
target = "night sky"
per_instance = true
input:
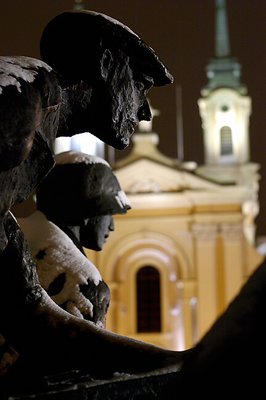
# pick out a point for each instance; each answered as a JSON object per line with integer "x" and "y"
{"x": 182, "y": 33}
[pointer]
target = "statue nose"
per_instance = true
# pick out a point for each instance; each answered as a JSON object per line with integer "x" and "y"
{"x": 112, "y": 225}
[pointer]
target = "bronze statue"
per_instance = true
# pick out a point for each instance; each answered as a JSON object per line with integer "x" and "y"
{"x": 97, "y": 80}
{"x": 75, "y": 207}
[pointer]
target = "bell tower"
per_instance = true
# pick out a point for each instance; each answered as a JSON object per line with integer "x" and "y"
{"x": 225, "y": 109}
{"x": 224, "y": 105}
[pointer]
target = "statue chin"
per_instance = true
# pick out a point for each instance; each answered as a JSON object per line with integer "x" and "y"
{"x": 117, "y": 140}
{"x": 122, "y": 139}
{"x": 122, "y": 144}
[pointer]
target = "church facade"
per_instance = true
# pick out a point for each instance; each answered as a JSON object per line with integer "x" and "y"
{"x": 179, "y": 256}
{"x": 177, "y": 259}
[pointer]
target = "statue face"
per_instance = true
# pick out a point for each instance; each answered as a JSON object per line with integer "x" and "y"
{"x": 96, "y": 53}
{"x": 95, "y": 231}
{"x": 119, "y": 101}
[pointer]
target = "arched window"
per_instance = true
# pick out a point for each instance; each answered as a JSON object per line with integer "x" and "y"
{"x": 148, "y": 300}
{"x": 226, "y": 141}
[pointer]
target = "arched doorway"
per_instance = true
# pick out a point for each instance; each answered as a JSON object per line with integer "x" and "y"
{"x": 150, "y": 299}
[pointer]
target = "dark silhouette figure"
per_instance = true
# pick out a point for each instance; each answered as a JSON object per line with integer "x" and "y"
{"x": 97, "y": 80}
{"x": 80, "y": 196}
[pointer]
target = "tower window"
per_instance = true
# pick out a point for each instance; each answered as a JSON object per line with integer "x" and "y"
{"x": 148, "y": 300}
{"x": 226, "y": 141}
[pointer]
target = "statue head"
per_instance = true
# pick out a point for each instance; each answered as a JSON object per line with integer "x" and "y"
{"x": 82, "y": 191}
{"x": 110, "y": 66}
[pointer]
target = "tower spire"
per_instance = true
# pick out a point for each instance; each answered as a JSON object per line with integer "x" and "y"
{"x": 222, "y": 44}
{"x": 223, "y": 70}
{"x": 224, "y": 106}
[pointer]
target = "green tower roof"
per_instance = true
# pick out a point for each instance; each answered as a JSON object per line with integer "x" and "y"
{"x": 223, "y": 70}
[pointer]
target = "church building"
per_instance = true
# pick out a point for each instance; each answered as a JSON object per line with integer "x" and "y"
{"x": 180, "y": 255}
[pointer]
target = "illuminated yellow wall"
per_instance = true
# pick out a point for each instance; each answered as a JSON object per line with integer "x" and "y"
{"x": 200, "y": 252}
